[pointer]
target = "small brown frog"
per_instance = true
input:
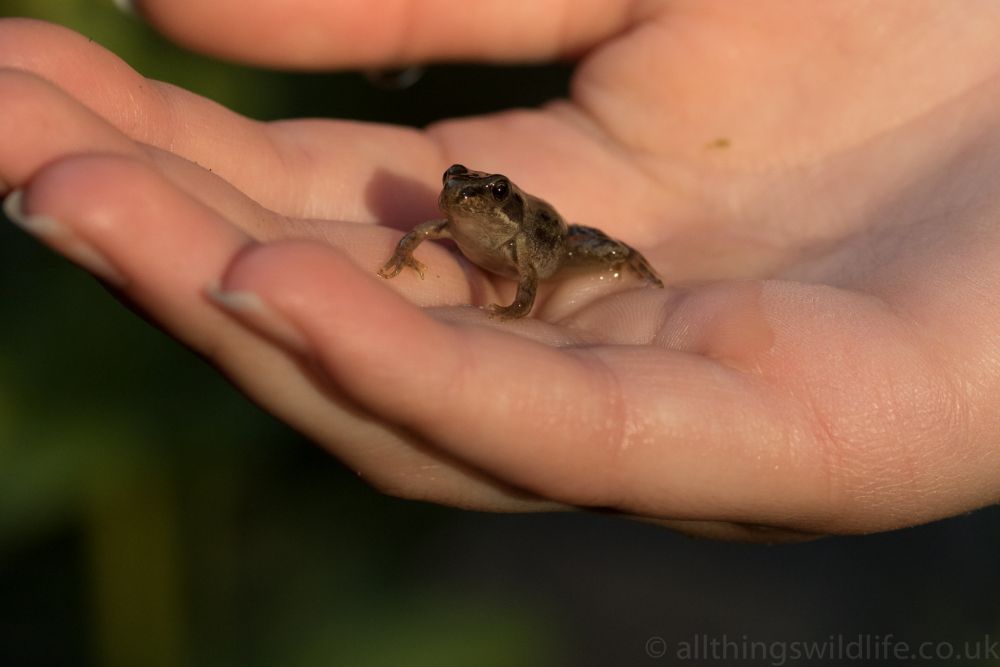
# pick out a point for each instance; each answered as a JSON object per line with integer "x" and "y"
{"x": 502, "y": 229}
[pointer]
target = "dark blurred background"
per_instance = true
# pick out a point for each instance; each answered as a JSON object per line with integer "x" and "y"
{"x": 150, "y": 515}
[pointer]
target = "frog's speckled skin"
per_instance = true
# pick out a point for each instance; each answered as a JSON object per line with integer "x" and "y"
{"x": 503, "y": 229}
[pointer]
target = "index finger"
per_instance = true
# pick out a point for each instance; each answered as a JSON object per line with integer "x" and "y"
{"x": 306, "y": 169}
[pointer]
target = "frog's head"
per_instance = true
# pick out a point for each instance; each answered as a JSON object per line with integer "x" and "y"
{"x": 476, "y": 194}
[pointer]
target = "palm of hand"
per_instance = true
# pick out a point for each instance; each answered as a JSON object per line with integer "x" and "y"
{"x": 810, "y": 371}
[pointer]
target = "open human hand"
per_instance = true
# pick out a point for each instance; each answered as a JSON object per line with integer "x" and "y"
{"x": 814, "y": 182}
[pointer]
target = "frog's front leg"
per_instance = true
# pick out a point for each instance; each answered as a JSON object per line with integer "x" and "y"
{"x": 403, "y": 256}
{"x": 527, "y": 286}
{"x": 590, "y": 246}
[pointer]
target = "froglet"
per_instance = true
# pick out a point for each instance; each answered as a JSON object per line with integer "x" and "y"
{"x": 506, "y": 231}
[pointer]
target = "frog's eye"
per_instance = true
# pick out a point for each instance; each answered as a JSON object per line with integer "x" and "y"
{"x": 499, "y": 190}
{"x": 454, "y": 170}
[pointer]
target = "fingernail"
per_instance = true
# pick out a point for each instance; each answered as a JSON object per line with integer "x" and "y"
{"x": 126, "y": 7}
{"x": 61, "y": 238}
{"x": 252, "y": 311}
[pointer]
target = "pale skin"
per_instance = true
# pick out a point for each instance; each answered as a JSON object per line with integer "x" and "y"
{"x": 818, "y": 181}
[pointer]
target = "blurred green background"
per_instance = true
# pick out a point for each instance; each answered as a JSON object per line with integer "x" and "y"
{"x": 150, "y": 515}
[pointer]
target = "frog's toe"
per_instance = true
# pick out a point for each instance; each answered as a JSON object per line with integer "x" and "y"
{"x": 395, "y": 266}
{"x": 417, "y": 266}
{"x": 390, "y": 270}
{"x": 496, "y": 311}
{"x": 652, "y": 279}
{"x": 641, "y": 266}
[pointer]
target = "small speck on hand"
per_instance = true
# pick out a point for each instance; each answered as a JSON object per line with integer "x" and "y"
{"x": 719, "y": 143}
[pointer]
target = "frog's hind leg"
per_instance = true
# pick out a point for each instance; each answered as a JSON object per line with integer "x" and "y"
{"x": 588, "y": 246}
{"x": 641, "y": 265}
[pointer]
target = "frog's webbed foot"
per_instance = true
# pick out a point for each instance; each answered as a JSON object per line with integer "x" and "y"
{"x": 641, "y": 266}
{"x": 395, "y": 265}
{"x": 527, "y": 286}
{"x": 403, "y": 255}
{"x": 588, "y": 246}
{"x": 511, "y": 312}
